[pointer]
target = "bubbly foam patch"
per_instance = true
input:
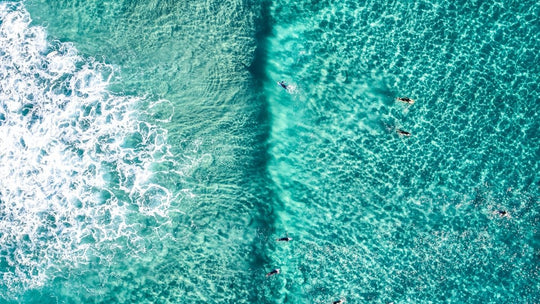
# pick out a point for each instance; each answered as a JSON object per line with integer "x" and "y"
{"x": 74, "y": 159}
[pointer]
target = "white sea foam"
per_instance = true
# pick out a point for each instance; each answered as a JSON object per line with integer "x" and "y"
{"x": 74, "y": 159}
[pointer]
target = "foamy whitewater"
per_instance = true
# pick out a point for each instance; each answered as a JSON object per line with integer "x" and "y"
{"x": 70, "y": 171}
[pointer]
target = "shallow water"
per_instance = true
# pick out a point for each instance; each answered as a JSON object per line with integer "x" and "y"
{"x": 153, "y": 158}
{"x": 386, "y": 217}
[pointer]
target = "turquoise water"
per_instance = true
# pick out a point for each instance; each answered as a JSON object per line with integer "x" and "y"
{"x": 149, "y": 155}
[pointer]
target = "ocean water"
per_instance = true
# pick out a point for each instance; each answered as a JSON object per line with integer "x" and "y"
{"x": 149, "y": 155}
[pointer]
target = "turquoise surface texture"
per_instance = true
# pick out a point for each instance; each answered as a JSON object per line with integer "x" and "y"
{"x": 243, "y": 151}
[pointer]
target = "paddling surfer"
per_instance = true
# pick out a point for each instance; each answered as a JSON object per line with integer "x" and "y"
{"x": 502, "y": 213}
{"x": 284, "y": 239}
{"x": 404, "y": 133}
{"x": 273, "y": 272}
{"x": 406, "y": 100}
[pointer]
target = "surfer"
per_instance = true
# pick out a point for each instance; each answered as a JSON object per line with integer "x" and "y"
{"x": 273, "y": 272}
{"x": 502, "y": 213}
{"x": 283, "y": 84}
{"x": 404, "y": 133}
{"x": 406, "y": 100}
{"x": 284, "y": 239}
{"x": 338, "y": 301}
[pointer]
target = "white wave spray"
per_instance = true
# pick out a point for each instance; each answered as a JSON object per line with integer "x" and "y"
{"x": 75, "y": 161}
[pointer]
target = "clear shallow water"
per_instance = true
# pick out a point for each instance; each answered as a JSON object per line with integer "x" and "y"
{"x": 386, "y": 218}
{"x": 154, "y": 158}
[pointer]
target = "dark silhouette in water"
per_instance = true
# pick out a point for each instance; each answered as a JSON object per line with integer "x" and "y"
{"x": 404, "y": 133}
{"x": 284, "y": 239}
{"x": 283, "y": 84}
{"x": 406, "y": 100}
{"x": 273, "y": 272}
{"x": 338, "y": 302}
{"x": 502, "y": 213}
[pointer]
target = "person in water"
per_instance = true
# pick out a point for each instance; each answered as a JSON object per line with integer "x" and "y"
{"x": 338, "y": 301}
{"x": 502, "y": 213}
{"x": 406, "y": 100}
{"x": 273, "y": 272}
{"x": 283, "y": 84}
{"x": 284, "y": 239}
{"x": 404, "y": 133}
